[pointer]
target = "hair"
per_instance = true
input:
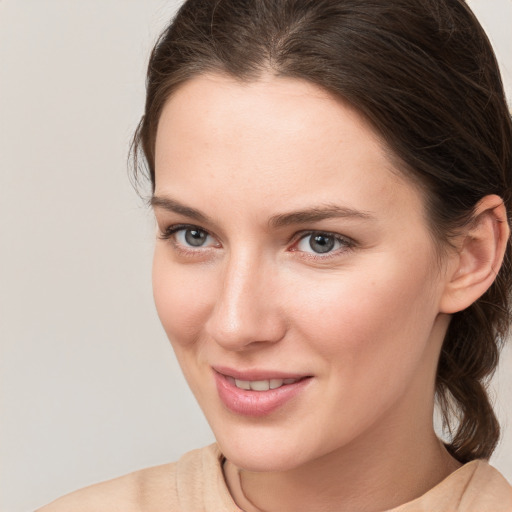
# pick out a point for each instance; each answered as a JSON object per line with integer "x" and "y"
{"x": 424, "y": 75}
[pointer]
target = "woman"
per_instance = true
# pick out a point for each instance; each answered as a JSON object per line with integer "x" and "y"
{"x": 331, "y": 182}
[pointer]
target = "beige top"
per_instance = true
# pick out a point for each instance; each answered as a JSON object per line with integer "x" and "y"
{"x": 196, "y": 484}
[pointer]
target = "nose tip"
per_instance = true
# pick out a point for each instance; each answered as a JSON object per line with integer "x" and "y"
{"x": 246, "y": 313}
{"x": 243, "y": 330}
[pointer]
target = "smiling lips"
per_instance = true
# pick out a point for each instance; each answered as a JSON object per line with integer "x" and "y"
{"x": 260, "y": 385}
{"x": 257, "y": 396}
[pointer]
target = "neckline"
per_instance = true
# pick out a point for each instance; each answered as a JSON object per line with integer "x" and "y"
{"x": 243, "y": 503}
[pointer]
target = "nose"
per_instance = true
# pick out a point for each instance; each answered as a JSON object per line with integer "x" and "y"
{"x": 247, "y": 312}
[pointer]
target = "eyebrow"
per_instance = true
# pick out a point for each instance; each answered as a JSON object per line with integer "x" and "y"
{"x": 171, "y": 205}
{"x": 314, "y": 214}
{"x": 317, "y": 214}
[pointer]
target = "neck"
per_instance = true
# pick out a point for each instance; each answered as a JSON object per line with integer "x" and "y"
{"x": 353, "y": 479}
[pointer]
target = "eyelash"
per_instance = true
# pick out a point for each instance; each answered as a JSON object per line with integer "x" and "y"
{"x": 170, "y": 232}
{"x": 347, "y": 243}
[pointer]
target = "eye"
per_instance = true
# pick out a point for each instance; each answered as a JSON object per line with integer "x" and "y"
{"x": 322, "y": 243}
{"x": 191, "y": 237}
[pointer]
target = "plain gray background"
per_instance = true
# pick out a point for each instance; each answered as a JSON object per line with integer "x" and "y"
{"x": 89, "y": 385}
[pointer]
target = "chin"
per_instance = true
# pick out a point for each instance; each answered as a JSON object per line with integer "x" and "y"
{"x": 262, "y": 448}
{"x": 257, "y": 459}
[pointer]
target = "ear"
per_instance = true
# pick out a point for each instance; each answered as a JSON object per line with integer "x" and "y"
{"x": 480, "y": 253}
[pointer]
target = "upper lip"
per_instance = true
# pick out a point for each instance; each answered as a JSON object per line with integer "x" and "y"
{"x": 257, "y": 374}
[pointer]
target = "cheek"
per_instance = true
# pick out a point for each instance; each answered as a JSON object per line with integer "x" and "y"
{"x": 374, "y": 312}
{"x": 371, "y": 331}
{"x": 182, "y": 297}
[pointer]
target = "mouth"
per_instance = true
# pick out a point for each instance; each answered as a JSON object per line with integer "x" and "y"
{"x": 262, "y": 385}
{"x": 257, "y": 393}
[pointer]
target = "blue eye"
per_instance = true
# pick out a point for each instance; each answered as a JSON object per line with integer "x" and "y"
{"x": 322, "y": 243}
{"x": 191, "y": 237}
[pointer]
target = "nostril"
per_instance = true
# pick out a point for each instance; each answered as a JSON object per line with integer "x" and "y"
{"x": 236, "y": 328}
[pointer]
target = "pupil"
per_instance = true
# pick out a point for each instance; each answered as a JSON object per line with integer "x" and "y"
{"x": 195, "y": 237}
{"x": 321, "y": 243}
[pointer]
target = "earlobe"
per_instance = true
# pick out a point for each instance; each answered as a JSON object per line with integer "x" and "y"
{"x": 479, "y": 257}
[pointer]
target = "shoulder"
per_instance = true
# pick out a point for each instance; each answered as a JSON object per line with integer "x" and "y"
{"x": 159, "y": 488}
{"x": 475, "y": 487}
{"x": 134, "y": 492}
{"x": 487, "y": 490}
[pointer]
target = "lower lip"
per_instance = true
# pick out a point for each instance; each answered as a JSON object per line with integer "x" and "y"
{"x": 256, "y": 403}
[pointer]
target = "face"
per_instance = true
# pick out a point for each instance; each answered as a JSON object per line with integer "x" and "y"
{"x": 294, "y": 272}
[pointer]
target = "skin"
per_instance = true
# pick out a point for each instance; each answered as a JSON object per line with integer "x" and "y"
{"x": 366, "y": 320}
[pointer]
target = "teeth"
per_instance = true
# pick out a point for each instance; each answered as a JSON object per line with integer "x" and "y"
{"x": 242, "y": 384}
{"x": 276, "y": 383}
{"x": 262, "y": 385}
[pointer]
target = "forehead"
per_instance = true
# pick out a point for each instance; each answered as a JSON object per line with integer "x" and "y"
{"x": 216, "y": 105}
{"x": 275, "y": 136}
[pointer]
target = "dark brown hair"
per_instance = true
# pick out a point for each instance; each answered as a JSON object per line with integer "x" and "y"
{"x": 424, "y": 75}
